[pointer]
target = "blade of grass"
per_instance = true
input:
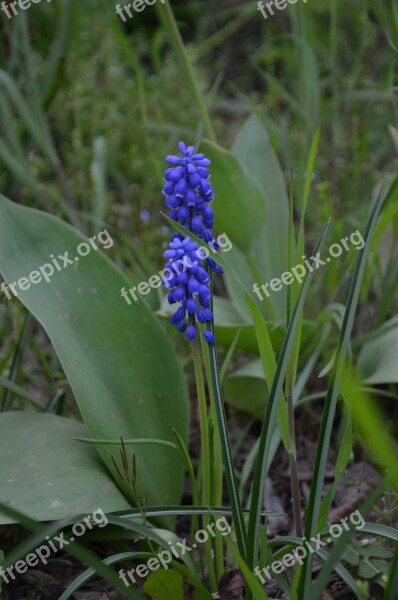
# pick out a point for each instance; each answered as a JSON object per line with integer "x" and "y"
{"x": 392, "y": 587}
{"x": 56, "y": 58}
{"x": 167, "y": 18}
{"x": 332, "y": 395}
{"x": 16, "y": 389}
{"x": 269, "y": 419}
{"x": 229, "y": 356}
{"x": 254, "y": 585}
{"x": 17, "y": 359}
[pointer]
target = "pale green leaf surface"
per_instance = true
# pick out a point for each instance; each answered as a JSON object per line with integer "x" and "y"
{"x": 47, "y": 475}
{"x": 110, "y": 351}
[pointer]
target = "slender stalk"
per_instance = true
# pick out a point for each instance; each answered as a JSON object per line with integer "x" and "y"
{"x": 289, "y": 386}
{"x": 216, "y": 465}
{"x": 233, "y": 490}
{"x": 205, "y": 453}
{"x": 167, "y": 17}
{"x": 294, "y": 478}
{"x": 232, "y": 485}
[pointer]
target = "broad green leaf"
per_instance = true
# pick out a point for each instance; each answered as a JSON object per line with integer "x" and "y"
{"x": 253, "y": 148}
{"x": 165, "y": 585}
{"x": 270, "y": 250}
{"x": 240, "y": 204}
{"x": 378, "y": 360}
{"x": 246, "y": 389}
{"x": 228, "y": 322}
{"x": 46, "y": 474}
{"x": 110, "y": 351}
{"x": 367, "y": 570}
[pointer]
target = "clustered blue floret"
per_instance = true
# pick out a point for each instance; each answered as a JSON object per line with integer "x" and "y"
{"x": 188, "y": 195}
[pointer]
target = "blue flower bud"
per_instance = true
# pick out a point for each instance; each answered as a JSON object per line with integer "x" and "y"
{"x": 201, "y": 275}
{"x": 192, "y": 306}
{"x": 183, "y": 214}
{"x": 172, "y": 201}
{"x": 183, "y": 278}
{"x": 191, "y": 333}
{"x": 173, "y": 160}
{"x": 180, "y": 293}
{"x": 196, "y": 224}
{"x": 208, "y": 337}
{"x": 200, "y": 315}
{"x": 168, "y": 188}
{"x": 193, "y": 286}
{"x": 180, "y": 188}
{"x": 176, "y": 174}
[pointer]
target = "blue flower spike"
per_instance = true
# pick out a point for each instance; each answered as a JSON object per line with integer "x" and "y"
{"x": 188, "y": 196}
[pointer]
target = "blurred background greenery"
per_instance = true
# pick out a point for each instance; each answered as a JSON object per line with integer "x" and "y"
{"x": 90, "y": 106}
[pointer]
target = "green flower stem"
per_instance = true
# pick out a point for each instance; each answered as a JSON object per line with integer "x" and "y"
{"x": 205, "y": 453}
{"x": 289, "y": 387}
{"x": 294, "y": 477}
{"x": 167, "y": 17}
{"x": 216, "y": 462}
{"x": 233, "y": 490}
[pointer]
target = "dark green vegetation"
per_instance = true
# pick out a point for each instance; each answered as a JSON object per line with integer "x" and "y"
{"x": 89, "y": 108}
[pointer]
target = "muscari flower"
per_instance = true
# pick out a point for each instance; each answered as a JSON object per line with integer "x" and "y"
{"x": 188, "y": 195}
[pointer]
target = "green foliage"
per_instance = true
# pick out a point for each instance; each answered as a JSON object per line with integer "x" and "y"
{"x": 49, "y": 476}
{"x": 95, "y": 332}
{"x": 83, "y": 129}
{"x": 165, "y": 585}
{"x": 233, "y": 185}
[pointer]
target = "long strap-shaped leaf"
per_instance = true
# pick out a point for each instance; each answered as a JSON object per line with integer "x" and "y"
{"x": 270, "y": 414}
{"x": 332, "y": 395}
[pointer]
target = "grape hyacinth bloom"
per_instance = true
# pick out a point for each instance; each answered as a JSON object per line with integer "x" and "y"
{"x": 188, "y": 195}
{"x": 188, "y": 192}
